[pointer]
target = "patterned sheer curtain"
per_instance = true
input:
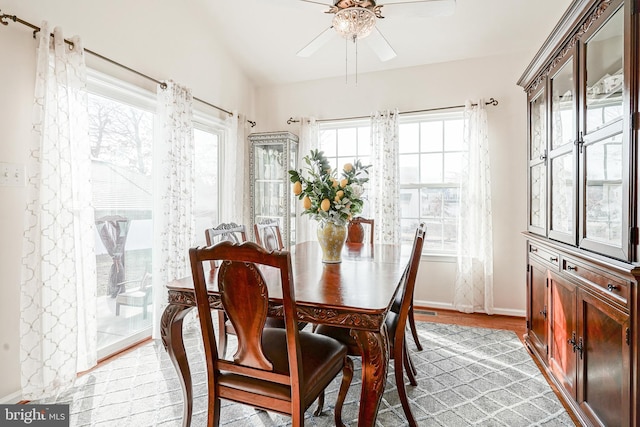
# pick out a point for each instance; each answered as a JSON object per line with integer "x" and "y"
{"x": 309, "y": 134}
{"x": 474, "y": 275}
{"x": 174, "y": 187}
{"x": 235, "y": 173}
{"x": 58, "y": 285}
{"x": 384, "y": 176}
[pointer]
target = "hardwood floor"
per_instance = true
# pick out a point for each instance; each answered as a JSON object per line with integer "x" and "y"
{"x": 480, "y": 320}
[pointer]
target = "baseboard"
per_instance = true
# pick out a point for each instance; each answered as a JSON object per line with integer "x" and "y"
{"x": 447, "y": 306}
{"x": 11, "y": 398}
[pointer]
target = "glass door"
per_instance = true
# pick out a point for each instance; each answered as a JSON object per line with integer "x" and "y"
{"x": 604, "y": 194}
{"x": 562, "y": 154}
{"x": 538, "y": 163}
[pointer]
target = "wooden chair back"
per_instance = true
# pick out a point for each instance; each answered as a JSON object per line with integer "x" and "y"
{"x": 268, "y": 235}
{"x": 245, "y": 298}
{"x": 230, "y": 231}
{"x": 267, "y": 368}
{"x": 359, "y": 221}
{"x": 404, "y": 300}
{"x": 226, "y": 232}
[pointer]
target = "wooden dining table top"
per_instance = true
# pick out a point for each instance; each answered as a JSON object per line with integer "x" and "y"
{"x": 356, "y": 294}
{"x": 365, "y": 281}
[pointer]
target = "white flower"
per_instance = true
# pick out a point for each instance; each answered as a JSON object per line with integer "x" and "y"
{"x": 357, "y": 190}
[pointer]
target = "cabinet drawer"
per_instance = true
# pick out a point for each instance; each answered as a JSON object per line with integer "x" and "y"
{"x": 603, "y": 281}
{"x": 543, "y": 254}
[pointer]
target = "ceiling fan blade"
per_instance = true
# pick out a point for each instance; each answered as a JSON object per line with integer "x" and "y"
{"x": 323, "y": 3}
{"x": 420, "y": 8}
{"x": 380, "y": 45}
{"x": 317, "y": 43}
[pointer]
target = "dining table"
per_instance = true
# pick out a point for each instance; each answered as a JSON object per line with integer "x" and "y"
{"x": 356, "y": 293}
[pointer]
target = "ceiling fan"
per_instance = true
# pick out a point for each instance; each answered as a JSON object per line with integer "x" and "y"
{"x": 356, "y": 19}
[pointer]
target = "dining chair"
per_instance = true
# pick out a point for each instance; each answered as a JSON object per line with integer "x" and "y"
{"x": 358, "y": 237}
{"x": 276, "y": 369}
{"x": 230, "y": 232}
{"x": 268, "y": 235}
{"x": 396, "y": 322}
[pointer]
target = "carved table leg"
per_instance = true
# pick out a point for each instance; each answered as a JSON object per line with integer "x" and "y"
{"x": 171, "y": 333}
{"x": 374, "y": 348}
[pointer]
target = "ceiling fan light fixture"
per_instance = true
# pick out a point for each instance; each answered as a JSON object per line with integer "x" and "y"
{"x": 354, "y": 22}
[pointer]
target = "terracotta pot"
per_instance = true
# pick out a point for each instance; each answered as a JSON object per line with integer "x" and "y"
{"x": 331, "y": 238}
{"x": 355, "y": 232}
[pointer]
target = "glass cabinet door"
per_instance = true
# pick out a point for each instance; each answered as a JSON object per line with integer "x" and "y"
{"x": 562, "y": 156}
{"x": 273, "y": 154}
{"x": 604, "y": 194}
{"x": 538, "y": 163}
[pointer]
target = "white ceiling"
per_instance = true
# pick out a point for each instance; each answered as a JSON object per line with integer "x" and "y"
{"x": 265, "y": 35}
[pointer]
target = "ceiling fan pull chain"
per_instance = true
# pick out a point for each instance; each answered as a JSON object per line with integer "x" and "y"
{"x": 355, "y": 40}
{"x": 346, "y": 61}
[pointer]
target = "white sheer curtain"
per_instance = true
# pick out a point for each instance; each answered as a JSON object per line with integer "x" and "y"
{"x": 474, "y": 276}
{"x": 58, "y": 284}
{"x": 384, "y": 184}
{"x": 174, "y": 188}
{"x": 308, "y": 140}
{"x": 236, "y": 197}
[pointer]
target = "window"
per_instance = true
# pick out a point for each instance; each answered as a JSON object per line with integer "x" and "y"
{"x": 430, "y": 154}
{"x": 430, "y": 151}
{"x": 121, "y": 126}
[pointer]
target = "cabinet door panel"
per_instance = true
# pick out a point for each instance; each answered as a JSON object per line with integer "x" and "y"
{"x": 605, "y": 370}
{"x": 538, "y": 309}
{"x": 538, "y": 198}
{"x": 562, "y": 311}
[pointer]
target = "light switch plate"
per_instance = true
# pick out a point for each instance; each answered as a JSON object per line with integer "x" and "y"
{"x": 11, "y": 175}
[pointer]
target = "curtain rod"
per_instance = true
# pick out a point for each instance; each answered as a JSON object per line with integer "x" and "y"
{"x": 4, "y": 18}
{"x": 491, "y": 101}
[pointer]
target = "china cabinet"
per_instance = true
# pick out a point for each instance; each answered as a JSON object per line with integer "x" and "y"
{"x": 583, "y": 263}
{"x": 272, "y": 155}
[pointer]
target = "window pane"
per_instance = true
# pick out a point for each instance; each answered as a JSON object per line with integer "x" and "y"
{"x": 409, "y": 138}
{"x": 431, "y": 136}
{"x": 409, "y": 169}
{"x": 432, "y": 199}
{"x": 347, "y": 142}
{"x": 328, "y": 142}
{"x": 409, "y": 203}
{"x": 431, "y": 168}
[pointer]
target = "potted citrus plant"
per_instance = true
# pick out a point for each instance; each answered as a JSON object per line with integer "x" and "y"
{"x": 330, "y": 199}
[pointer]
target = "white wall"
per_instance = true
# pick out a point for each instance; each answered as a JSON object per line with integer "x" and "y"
{"x": 426, "y": 87}
{"x": 183, "y": 48}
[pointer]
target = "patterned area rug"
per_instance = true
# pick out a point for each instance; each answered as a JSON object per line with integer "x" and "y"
{"x": 466, "y": 377}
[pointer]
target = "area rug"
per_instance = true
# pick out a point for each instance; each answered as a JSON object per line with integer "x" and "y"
{"x": 466, "y": 377}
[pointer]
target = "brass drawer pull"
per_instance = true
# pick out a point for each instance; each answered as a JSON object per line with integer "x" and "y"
{"x": 570, "y": 267}
{"x": 612, "y": 287}
{"x": 553, "y": 259}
